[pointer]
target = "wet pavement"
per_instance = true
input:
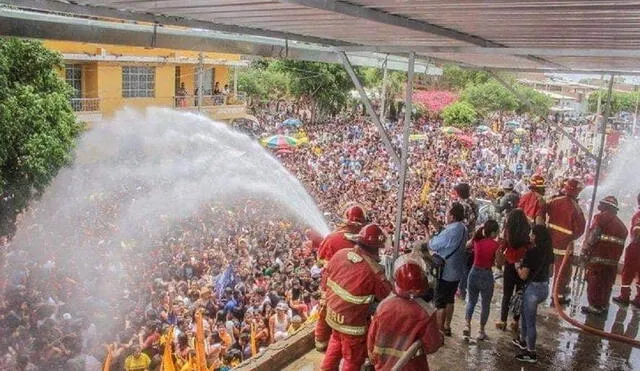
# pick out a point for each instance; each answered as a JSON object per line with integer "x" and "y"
{"x": 560, "y": 346}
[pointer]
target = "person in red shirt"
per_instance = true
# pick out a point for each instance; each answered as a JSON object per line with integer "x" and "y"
{"x": 481, "y": 280}
{"x": 352, "y": 281}
{"x": 566, "y": 223}
{"x": 343, "y": 238}
{"x": 532, "y": 202}
{"x": 603, "y": 247}
{"x": 631, "y": 267}
{"x": 403, "y": 319}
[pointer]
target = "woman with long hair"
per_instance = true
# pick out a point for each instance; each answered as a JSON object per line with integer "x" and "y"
{"x": 534, "y": 271}
{"x": 516, "y": 242}
{"x": 480, "y": 282}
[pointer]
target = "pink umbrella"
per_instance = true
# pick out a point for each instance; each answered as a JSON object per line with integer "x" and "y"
{"x": 283, "y": 151}
{"x": 467, "y": 140}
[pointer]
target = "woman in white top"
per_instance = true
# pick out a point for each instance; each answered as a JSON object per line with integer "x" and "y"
{"x": 279, "y": 323}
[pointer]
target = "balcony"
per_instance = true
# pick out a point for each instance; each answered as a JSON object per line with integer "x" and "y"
{"x": 87, "y": 109}
{"x": 220, "y": 107}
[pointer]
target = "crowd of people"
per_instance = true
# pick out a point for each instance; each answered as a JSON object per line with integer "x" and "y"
{"x": 255, "y": 274}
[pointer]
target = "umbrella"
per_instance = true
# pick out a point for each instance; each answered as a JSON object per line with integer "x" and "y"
{"x": 467, "y": 140}
{"x": 450, "y": 130}
{"x": 520, "y": 131}
{"x": 542, "y": 151}
{"x": 292, "y": 122}
{"x": 511, "y": 124}
{"x": 283, "y": 151}
{"x": 418, "y": 137}
{"x": 482, "y": 129}
{"x": 280, "y": 141}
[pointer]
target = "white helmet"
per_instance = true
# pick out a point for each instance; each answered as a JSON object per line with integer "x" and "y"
{"x": 508, "y": 184}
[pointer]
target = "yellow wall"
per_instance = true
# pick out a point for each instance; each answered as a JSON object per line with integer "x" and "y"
{"x": 104, "y": 79}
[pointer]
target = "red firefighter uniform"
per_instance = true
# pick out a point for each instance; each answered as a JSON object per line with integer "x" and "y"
{"x": 566, "y": 224}
{"x": 397, "y": 324}
{"x": 631, "y": 268}
{"x": 352, "y": 281}
{"x": 341, "y": 239}
{"x": 605, "y": 243}
{"x": 533, "y": 205}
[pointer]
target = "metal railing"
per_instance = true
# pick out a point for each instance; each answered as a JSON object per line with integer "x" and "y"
{"x": 190, "y": 101}
{"x": 85, "y": 104}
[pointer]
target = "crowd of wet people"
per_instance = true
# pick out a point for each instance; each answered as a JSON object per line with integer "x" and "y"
{"x": 251, "y": 270}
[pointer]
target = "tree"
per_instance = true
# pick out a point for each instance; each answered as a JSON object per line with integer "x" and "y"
{"x": 620, "y": 101}
{"x": 540, "y": 103}
{"x": 490, "y": 97}
{"x": 37, "y": 125}
{"x": 457, "y": 78}
{"x": 324, "y": 86}
{"x": 434, "y": 100}
{"x": 459, "y": 114}
{"x": 263, "y": 83}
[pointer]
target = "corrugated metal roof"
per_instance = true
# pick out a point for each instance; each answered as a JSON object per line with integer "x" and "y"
{"x": 608, "y": 30}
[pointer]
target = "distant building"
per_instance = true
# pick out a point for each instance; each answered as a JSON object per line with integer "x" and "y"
{"x": 107, "y": 78}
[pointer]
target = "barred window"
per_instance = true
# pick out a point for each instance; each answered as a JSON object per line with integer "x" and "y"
{"x": 73, "y": 77}
{"x": 138, "y": 81}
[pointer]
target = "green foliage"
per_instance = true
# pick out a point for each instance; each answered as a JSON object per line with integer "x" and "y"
{"x": 490, "y": 97}
{"x": 457, "y": 78}
{"x": 620, "y": 101}
{"x": 37, "y": 125}
{"x": 263, "y": 82}
{"x": 326, "y": 85}
{"x": 541, "y": 103}
{"x": 459, "y": 114}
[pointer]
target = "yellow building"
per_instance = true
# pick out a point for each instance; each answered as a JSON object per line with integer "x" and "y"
{"x": 107, "y": 78}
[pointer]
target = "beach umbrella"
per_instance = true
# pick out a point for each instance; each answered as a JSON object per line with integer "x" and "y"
{"x": 280, "y": 141}
{"x": 481, "y": 129}
{"x": 292, "y": 122}
{"x": 466, "y": 140}
{"x": 520, "y": 131}
{"x": 542, "y": 151}
{"x": 450, "y": 130}
{"x": 418, "y": 137}
{"x": 511, "y": 124}
{"x": 284, "y": 151}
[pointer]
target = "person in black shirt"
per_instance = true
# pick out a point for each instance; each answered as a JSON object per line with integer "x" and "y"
{"x": 534, "y": 270}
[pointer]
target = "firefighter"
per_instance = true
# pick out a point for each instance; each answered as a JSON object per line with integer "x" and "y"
{"x": 353, "y": 280}
{"x": 404, "y": 318}
{"x": 631, "y": 268}
{"x": 603, "y": 247}
{"x": 532, "y": 202}
{"x": 566, "y": 224}
{"x": 343, "y": 238}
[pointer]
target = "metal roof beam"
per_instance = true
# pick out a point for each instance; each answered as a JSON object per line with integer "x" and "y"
{"x": 98, "y": 11}
{"x": 380, "y": 16}
{"x": 549, "y": 52}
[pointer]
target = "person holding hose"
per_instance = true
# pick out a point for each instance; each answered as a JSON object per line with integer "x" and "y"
{"x": 631, "y": 268}
{"x": 532, "y": 202}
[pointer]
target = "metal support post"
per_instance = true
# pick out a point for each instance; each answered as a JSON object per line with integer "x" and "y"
{"x": 383, "y": 98}
{"x": 635, "y": 117}
{"x": 235, "y": 80}
{"x": 555, "y": 124}
{"x": 603, "y": 130}
{"x": 200, "y": 79}
{"x": 369, "y": 108}
{"x": 408, "y": 108}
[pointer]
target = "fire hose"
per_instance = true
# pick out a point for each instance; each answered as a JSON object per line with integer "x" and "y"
{"x": 581, "y": 326}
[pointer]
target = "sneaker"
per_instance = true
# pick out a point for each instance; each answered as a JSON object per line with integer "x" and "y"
{"x": 466, "y": 333}
{"x": 621, "y": 300}
{"x": 519, "y": 343}
{"x": 482, "y": 336}
{"x": 527, "y": 356}
{"x": 501, "y": 325}
{"x": 447, "y": 332}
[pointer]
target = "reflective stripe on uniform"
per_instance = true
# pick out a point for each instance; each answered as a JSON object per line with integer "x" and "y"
{"x": 603, "y": 261}
{"x": 612, "y": 239}
{"x": 346, "y": 329}
{"x": 347, "y": 296}
{"x": 394, "y": 352}
{"x": 560, "y": 252}
{"x": 560, "y": 229}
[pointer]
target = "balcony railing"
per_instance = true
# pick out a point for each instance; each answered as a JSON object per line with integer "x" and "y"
{"x": 190, "y": 101}
{"x": 85, "y": 104}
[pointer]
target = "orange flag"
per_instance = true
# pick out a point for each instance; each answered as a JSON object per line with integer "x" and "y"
{"x": 107, "y": 361}
{"x": 201, "y": 362}
{"x": 167, "y": 358}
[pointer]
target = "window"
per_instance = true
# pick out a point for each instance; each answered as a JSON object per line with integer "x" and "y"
{"x": 73, "y": 77}
{"x": 138, "y": 82}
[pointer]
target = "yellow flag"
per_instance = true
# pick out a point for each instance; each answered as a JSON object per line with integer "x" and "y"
{"x": 167, "y": 359}
{"x": 254, "y": 345}
{"x": 107, "y": 361}
{"x": 201, "y": 361}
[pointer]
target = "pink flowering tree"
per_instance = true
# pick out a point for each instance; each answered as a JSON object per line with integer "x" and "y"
{"x": 434, "y": 101}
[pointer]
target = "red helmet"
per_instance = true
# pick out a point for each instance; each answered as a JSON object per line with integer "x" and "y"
{"x": 372, "y": 237}
{"x": 354, "y": 215}
{"x": 410, "y": 275}
{"x": 537, "y": 181}
{"x": 572, "y": 187}
{"x": 610, "y": 201}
